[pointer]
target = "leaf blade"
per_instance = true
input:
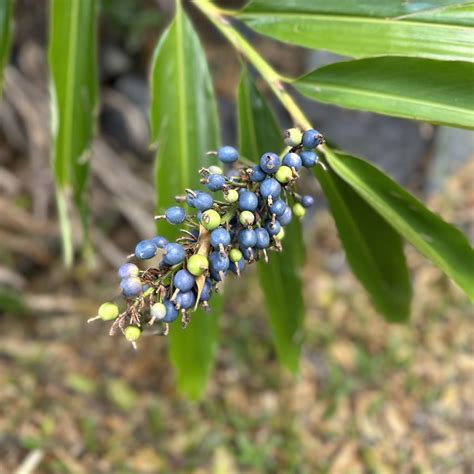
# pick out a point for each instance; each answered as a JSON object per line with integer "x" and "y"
{"x": 183, "y": 119}
{"x": 279, "y": 278}
{"x": 434, "y": 29}
{"x": 399, "y": 87}
{"x": 6, "y": 12}
{"x": 437, "y": 240}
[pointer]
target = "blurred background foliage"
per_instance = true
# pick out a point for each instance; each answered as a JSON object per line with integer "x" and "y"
{"x": 370, "y": 397}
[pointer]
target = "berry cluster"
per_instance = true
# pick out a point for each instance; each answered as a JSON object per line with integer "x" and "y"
{"x": 219, "y": 234}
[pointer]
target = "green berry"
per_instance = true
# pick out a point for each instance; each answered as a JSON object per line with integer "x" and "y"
{"x": 210, "y": 219}
{"x": 132, "y": 333}
{"x": 197, "y": 265}
{"x": 293, "y": 137}
{"x": 215, "y": 170}
{"x": 231, "y": 195}
{"x": 280, "y": 235}
{"x": 108, "y": 311}
{"x": 235, "y": 255}
{"x": 246, "y": 218}
{"x": 299, "y": 210}
{"x": 284, "y": 174}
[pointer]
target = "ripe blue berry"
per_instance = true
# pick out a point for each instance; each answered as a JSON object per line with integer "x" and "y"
{"x": 175, "y": 215}
{"x": 234, "y": 265}
{"x": 183, "y": 280}
{"x": 278, "y": 207}
{"x": 292, "y": 160}
{"x": 312, "y": 138}
{"x": 307, "y": 201}
{"x": 227, "y": 154}
{"x": 206, "y": 292}
{"x": 159, "y": 241}
{"x": 248, "y": 253}
{"x": 219, "y": 237}
{"x": 145, "y": 249}
{"x": 285, "y": 218}
{"x": 218, "y": 262}
{"x": 174, "y": 254}
{"x": 309, "y": 158}
{"x": 273, "y": 227}
{"x": 203, "y": 201}
{"x": 257, "y": 174}
{"x": 171, "y": 311}
{"x": 247, "y": 238}
{"x": 186, "y": 300}
{"x": 215, "y": 182}
{"x": 269, "y": 163}
{"x": 131, "y": 286}
{"x": 270, "y": 187}
{"x": 190, "y": 199}
{"x": 263, "y": 238}
{"x": 248, "y": 201}
{"x": 127, "y": 270}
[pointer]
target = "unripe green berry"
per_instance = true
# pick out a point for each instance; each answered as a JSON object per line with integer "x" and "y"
{"x": 247, "y": 218}
{"x": 284, "y": 174}
{"x": 108, "y": 311}
{"x": 293, "y": 137}
{"x": 158, "y": 311}
{"x": 132, "y": 333}
{"x": 235, "y": 255}
{"x": 281, "y": 234}
{"x": 215, "y": 170}
{"x": 231, "y": 195}
{"x": 197, "y": 264}
{"x": 299, "y": 210}
{"x": 210, "y": 219}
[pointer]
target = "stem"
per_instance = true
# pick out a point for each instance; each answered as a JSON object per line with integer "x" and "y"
{"x": 274, "y": 80}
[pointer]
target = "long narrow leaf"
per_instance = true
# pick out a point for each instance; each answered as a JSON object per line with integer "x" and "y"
{"x": 183, "y": 121}
{"x": 6, "y": 8}
{"x": 373, "y": 248}
{"x": 439, "y": 241}
{"x": 436, "y": 29}
{"x": 73, "y": 71}
{"x": 419, "y": 89}
{"x": 279, "y": 279}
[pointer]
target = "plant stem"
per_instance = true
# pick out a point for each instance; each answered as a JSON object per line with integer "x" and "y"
{"x": 274, "y": 80}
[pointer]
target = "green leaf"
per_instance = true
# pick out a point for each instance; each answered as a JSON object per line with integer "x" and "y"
{"x": 373, "y": 248}
{"x": 439, "y": 241}
{"x": 420, "y": 89}
{"x": 184, "y": 124}
{"x": 73, "y": 74}
{"x": 279, "y": 279}
{"x": 436, "y": 29}
{"x": 6, "y": 11}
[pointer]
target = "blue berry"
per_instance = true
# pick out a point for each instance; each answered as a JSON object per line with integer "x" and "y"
{"x": 227, "y": 154}
{"x": 171, "y": 311}
{"x": 206, "y": 292}
{"x": 285, "y": 218}
{"x": 215, "y": 182}
{"x": 183, "y": 280}
{"x": 220, "y": 236}
{"x": 145, "y": 249}
{"x": 247, "y": 238}
{"x": 190, "y": 199}
{"x": 248, "y": 253}
{"x": 159, "y": 241}
{"x": 292, "y": 160}
{"x": 312, "y": 138}
{"x": 175, "y": 215}
{"x": 131, "y": 286}
{"x": 278, "y": 207}
{"x": 263, "y": 238}
{"x": 203, "y": 201}
{"x": 216, "y": 276}
{"x": 270, "y": 187}
{"x": 234, "y": 265}
{"x": 307, "y": 201}
{"x": 273, "y": 227}
{"x": 269, "y": 163}
{"x": 127, "y": 270}
{"x": 174, "y": 254}
{"x": 218, "y": 262}
{"x": 186, "y": 300}
{"x": 248, "y": 201}
{"x": 257, "y": 174}
{"x": 309, "y": 158}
